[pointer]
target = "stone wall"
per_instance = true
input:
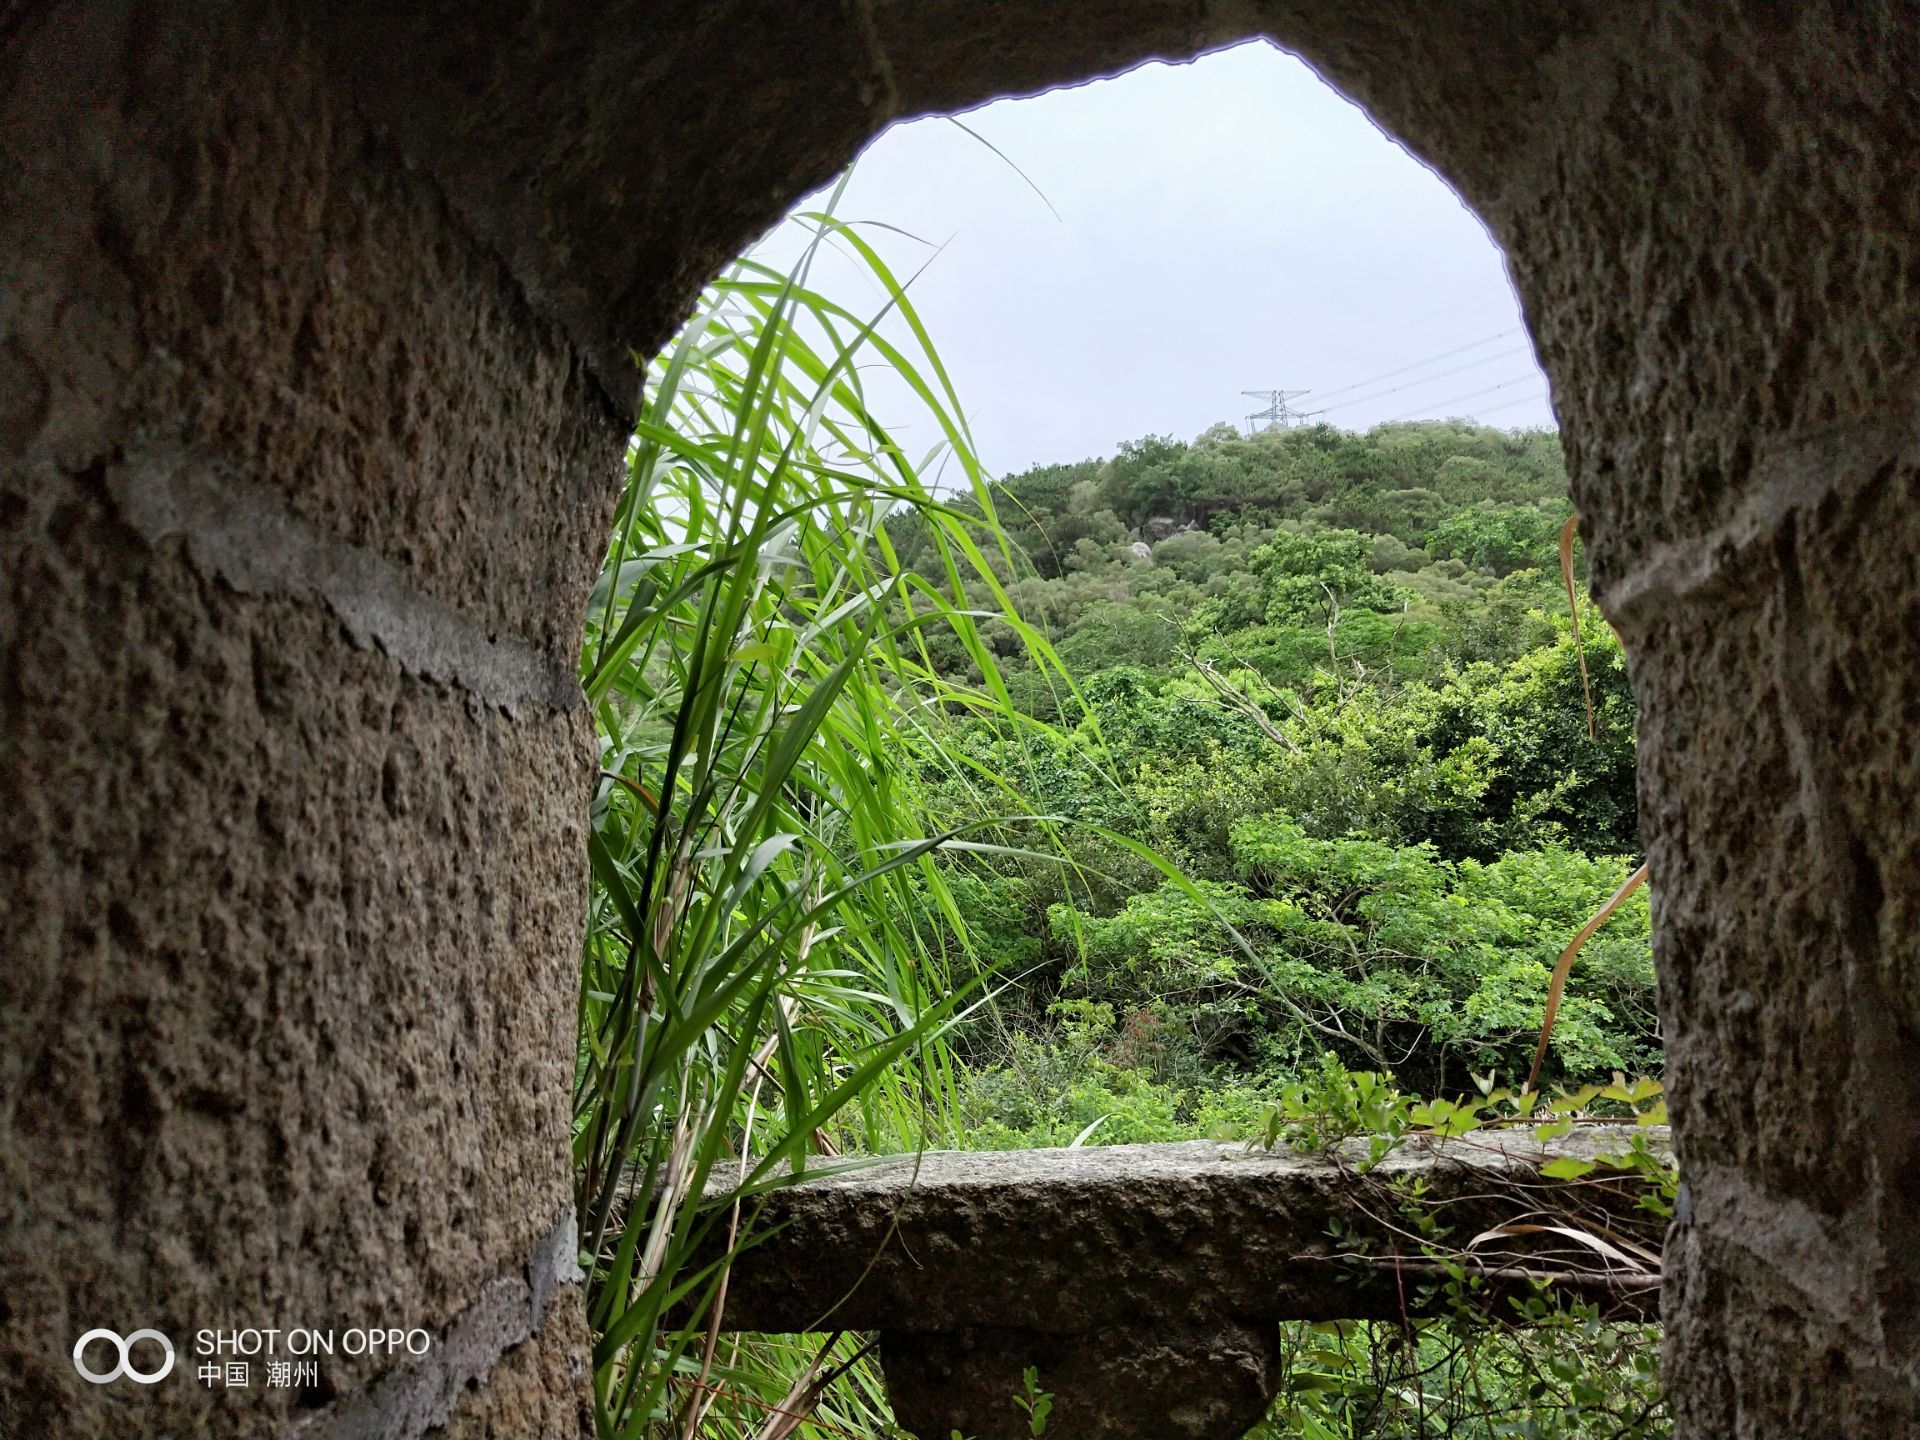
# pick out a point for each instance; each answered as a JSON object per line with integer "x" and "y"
{"x": 1736, "y": 345}
{"x": 299, "y": 507}
{"x": 308, "y": 340}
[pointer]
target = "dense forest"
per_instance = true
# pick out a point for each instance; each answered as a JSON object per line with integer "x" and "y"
{"x": 1333, "y": 678}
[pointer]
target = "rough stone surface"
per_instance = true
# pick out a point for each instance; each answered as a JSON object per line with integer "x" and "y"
{"x": 1067, "y": 1241}
{"x": 539, "y": 1388}
{"x": 1143, "y": 1282}
{"x": 269, "y": 875}
{"x": 487, "y": 1365}
{"x": 298, "y": 509}
{"x": 1147, "y": 1382}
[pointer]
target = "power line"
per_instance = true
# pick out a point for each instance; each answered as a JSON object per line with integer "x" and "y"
{"x": 1509, "y": 404}
{"x": 1456, "y": 399}
{"x": 1422, "y": 364}
{"x": 1416, "y": 384}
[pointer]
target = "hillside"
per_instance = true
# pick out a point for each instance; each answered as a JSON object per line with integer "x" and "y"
{"x": 1331, "y": 676}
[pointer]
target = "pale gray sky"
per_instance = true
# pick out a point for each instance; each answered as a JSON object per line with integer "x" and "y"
{"x": 1225, "y": 225}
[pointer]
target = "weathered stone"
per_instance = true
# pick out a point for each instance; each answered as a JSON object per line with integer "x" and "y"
{"x": 276, "y": 862}
{"x": 298, "y": 508}
{"x": 1143, "y": 1282}
{"x": 1159, "y": 1381}
{"x": 1067, "y": 1241}
{"x": 538, "y": 1388}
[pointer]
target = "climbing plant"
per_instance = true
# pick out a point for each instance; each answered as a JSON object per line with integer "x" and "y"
{"x": 1537, "y": 1326}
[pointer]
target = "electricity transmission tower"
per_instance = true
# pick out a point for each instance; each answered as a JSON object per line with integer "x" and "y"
{"x": 1278, "y": 412}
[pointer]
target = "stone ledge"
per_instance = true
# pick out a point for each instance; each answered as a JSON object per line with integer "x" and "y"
{"x": 1071, "y": 1240}
{"x": 1143, "y": 1282}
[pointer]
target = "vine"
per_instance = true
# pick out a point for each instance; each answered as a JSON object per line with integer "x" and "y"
{"x": 1540, "y": 1325}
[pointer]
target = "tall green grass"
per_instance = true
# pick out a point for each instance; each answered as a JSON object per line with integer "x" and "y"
{"x": 773, "y": 963}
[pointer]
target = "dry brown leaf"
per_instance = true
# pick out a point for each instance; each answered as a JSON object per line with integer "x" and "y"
{"x": 1591, "y": 1241}
{"x": 1564, "y": 967}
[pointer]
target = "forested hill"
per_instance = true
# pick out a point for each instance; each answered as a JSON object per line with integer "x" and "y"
{"x": 1333, "y": 677}
{"x": 1449, "y": 529}
{"x": 1415, "y": 482}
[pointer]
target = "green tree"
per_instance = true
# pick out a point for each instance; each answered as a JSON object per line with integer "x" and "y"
{"x": 1308, "y": 577}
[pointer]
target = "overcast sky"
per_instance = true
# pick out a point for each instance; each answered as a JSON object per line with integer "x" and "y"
{"x": 1231, "y": 224}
